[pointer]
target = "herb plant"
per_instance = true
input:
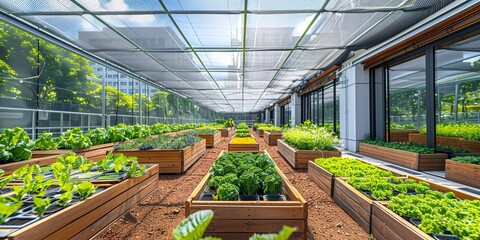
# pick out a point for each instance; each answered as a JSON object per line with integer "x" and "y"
{"x": 410, "y": 147}
{"x": 310, "y": 138}
{"x": 45, "y": 142}
{"x": 15, "y": 145}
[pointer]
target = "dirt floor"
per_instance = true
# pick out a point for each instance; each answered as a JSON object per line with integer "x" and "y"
{"x": 157, "y": 216}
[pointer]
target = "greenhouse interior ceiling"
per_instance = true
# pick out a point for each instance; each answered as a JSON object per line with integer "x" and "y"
{"x": 229, "y": 56}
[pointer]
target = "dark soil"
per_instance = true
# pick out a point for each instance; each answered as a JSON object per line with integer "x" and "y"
{"x": 157, "y": 216}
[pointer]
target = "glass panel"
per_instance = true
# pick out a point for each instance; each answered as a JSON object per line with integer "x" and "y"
{"x": 232, "y": 5}
{"x": 458, "y": 91}
{"x": 345, "y": 5}
{"x": 285, "y": 5}
{"x": 407, "y": 95}
{"x": 328, "y": 108}
{"x": 228, "y": 30}
{"x": 124, "y": 5}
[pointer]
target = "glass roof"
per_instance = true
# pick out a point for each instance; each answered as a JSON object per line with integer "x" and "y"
{"x": 239, "y": 55}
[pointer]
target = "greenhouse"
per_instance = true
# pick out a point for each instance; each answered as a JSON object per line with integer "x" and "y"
{"x": 240, "y": 119}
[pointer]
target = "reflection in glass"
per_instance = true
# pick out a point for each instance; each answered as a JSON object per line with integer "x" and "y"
{"x": 406, "y": 98}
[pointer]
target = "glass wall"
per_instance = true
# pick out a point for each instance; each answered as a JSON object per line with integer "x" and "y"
{"x": 322, "y": 106}
{"x": 454, "y": 110}
{"x": 285, "y": 113}
{"x": 67, "y": 89}
{"x": 406, "y": 95}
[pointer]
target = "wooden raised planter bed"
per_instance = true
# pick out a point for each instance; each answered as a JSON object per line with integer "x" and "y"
{"x": 299, "y": 158}
{"x": 241, "y": 219}
{"x": 466, "y": 173}
{"x": 260, "y": 132}
{"x": 388, "y": 225}
{"x": 169, "y": 160}
{"x": 353, "y": 202}
{"x": 415, "y": 161}
{"x": 93, "y": 153}
{"x": 85, "y": 219}
{"x": 272, "y": 137}
{"x": 400, "y": 136}
{"x": 226, "y": 132}
{"x": 326, "y": 181}
{"x": 243, "y": 147}
{"x": 473, "y": 146}
{"x": 40, "y": 161}
{"x": 212, "y": 140}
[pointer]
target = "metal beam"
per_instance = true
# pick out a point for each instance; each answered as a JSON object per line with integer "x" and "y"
{"x": 244, "y": 44}
{"x": 218, "y": 12}
{"x": 130, "y": 41}
{"x": 296, "y": 45}
{"x": 193, "y": 49}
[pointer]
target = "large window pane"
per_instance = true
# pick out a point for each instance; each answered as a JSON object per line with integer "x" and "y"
{"x": 406, "y": 86}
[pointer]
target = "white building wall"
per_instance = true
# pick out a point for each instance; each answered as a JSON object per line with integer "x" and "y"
{"x": 354, "y": 106}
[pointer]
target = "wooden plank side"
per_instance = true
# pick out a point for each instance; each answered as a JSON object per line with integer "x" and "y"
{"x": 321, "y": 177}
{"x": 115, "y": 214}
{"x": 392, "y": 223}
{"x": 407, "y": 159}
{"x": 352, "y": 202}
{"x": 92, "y": 222}
{"x": 441, "y": 188}
{"x": 465, "y": 173}
{"x": 9, "y": 168}
{"x": 243, "y": 236}
{"x": 63, "y": 217}
{"x": 252, "y": 211}
{"x": 254, "y": 226}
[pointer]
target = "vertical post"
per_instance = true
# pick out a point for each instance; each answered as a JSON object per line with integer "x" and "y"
{"x": 61, "y": 122}
{"x": 430, "y": 97}
{"x": 322, "y": 89}
{"x": 37, "y": 93}
{"x": 104, "y": 98}
{"x": 335, "y": 105}
{"x": 34, "y": 121}
{"x": 455, "y": 102}
{"x": 140, "y": 102}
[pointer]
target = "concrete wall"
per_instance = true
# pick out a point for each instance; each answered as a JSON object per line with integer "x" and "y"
{"x": 354, "y": 106}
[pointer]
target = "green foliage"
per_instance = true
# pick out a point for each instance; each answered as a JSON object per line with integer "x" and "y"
{"x": 97, "y": 136}
{"x": 227, "y": 192}
{"x": 272, "y": 184}
{"x": 15, "y": 145}
{"x": 179, "y": 141}
{"x": 397, "y": 126}
{"x": 85, "y": 189}
{"x": 439, "y": 211}
{"x": 73, "y": 139}
{"x": 45, "y": 142}
{"x": 242, "y": 126}
{"x": 349, "y": 167}
{"x": 193, "y": 227}
{"x": 252, "y": 173}
{"x": 468, "y": 159}
{"x": 310, "y": 138}
{"x": 466, "y": 130}
{"x": 410, "y": 147}
{"x": 249, "y": 182}
{"x": 229, "y": 123}
{"x": 284, "y": 234}
{"x": 41, "y": 204}
{"x": 8, "y": 207}
{"x": 204, "y": 131}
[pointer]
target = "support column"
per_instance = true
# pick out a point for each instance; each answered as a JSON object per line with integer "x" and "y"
{"x": 267, "y": 116}
{"x": 296, "y": 104}
{"x": 276, "y": 112}
{"x": 354, "y": 106}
